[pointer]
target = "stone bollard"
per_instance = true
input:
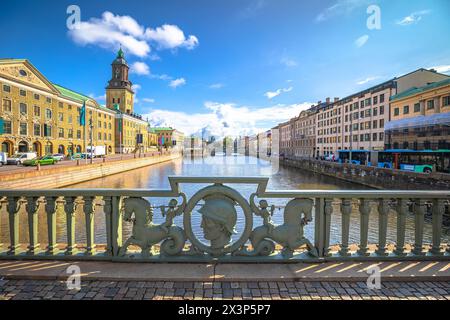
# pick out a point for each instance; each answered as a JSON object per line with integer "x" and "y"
{"x": 104, "y": 159}
{"x": 38, "y": 167}
{"x": 78, "y": 162}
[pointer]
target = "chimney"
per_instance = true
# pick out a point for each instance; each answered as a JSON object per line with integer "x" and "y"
{"x": 328, "y": 100}
{"x": 336, "y": 99}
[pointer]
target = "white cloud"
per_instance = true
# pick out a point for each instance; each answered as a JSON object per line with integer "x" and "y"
{"x": 140, "y": 68}
{"x": 177, "y": 82}
{"x": 441, "y": 69}
{"x": 148, "y": 100}
{"x": 288, "y": 62}
{"x": 170, "y": 37}
{"x": 273, "y": 94}
{"x": 216, "y": 86}
{"x": 368, "y": 79}
{"x": 361, "y": 40}
{"x": 227, "y": 119}
{"x": 413, "y": 18}
{"x": 341, "y": 7}
{"x": 111, "y": 30}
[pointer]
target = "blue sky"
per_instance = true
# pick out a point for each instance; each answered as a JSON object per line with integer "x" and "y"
{"x": 233, "y": 65}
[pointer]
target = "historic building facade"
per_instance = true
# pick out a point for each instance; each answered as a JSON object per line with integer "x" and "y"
{"x": 37, "y": 115}
{"x": 420, "y": 118}
{"x": 357, "y": 122}
{"x": 304, "y": 133}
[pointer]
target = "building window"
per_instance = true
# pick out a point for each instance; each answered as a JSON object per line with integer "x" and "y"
{"x": 61, "y": 132}
{"x": 375, "y": 112}
{"x": 37, "y": 111}
{"x": 7, "y": 128}
{"x": 7, "y": 105}
{"x": 375, "y": 100}
{"x": 49, "y": 100}
{"x": 446, "y": 101}
{"x": 430, "y": 104}
{"x": 23, "y": 93}
{"x": 109, "y": 126}
{"x": 61, "y": 116}
{"x": 381, "y": 123}
{"x": 375, "y": 124}
{"x": 99, "y": 136}
{"x": 109, "y": 137}
{"x": 374, "y": 137}
{"x": 47, "y": 130}
{"x": 381, "y": 110}
{"x": 382, "y": 98}
{"x": 99, "y": 124}
{"x": 61, "y": 105}
{"x": 23, "y": 108}
{"x": 23, "y": 129}
{"x": 104, "y": 136}
{"x": 37, "y": 129}
{"x": 78, "y": 134}
{"x": 6, "y": 88}
{"x": 48, "y": 113}
{"x": 69, "y": 119}
{"x": 36, "y": 96}
{"x": 405, "y": 109}
{"x": 396, "y": 111}
{"x": 417, "y": 107}
{"x": 70, "y": 134}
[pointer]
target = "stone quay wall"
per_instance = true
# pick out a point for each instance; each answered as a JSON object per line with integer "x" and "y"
{"x": 378, "y": 178}
{"x": 64, "y": 176}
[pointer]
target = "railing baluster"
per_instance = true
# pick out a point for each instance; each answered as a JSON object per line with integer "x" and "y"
{"x": 107, "y": 208}
{"x": 89, "y": 216}
{"x": 69, "y": 208}
{"x": 383, "y": 211}
{"x": 2, "y": 203}
{"x": 346, "y": 210}
{"x": 32, "y": 211}
{"x": 50, "y": 208}
{"x": 364, "y": 210}
{"x": 419, "y": 220}
{"x": 116, "y": 228}
{"x": 438, "y": 214}
{"x": 13, "y": 211}
{"x": 328, "y": 211}
{"x": 402, "y": 211}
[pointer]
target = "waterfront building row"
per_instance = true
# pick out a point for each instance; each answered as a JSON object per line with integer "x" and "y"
{"x": 362, "y": 121}
{"x": 41, "y": 116}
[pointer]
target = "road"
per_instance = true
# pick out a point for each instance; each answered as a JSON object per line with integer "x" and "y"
{"x": 8, "y": 169}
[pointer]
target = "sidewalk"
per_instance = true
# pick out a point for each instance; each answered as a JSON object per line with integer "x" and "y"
{"x": 330, "y": 271}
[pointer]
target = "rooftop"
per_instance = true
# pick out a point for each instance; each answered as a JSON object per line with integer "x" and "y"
{"x": 417, "y": 90}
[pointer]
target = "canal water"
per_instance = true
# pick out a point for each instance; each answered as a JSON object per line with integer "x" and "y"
{"x": 282, "y": 178}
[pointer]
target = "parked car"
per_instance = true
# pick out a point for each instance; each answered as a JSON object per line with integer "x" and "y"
{"x": 45, "y": 160}
{"x": 3, "y": 158}
{"x": 58, "y": 156}
{"x": 19, "y": 158}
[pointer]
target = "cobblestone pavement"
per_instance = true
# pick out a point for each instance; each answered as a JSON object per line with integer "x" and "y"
{"x": 117, "y": 290}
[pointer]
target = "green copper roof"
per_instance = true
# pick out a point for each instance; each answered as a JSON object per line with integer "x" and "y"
{"x": 72, "y": 94}
{"x": 120, "y": 53}
{"x": 162, "y": 129}
{"x": 415, "y": 90}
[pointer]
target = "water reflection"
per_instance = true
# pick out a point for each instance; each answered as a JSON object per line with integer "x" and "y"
{"x": 155, "y": 177}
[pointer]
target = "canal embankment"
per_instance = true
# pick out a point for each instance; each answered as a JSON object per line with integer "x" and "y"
{"x": 59, "y": 177}
{"x": 378, "y": 178}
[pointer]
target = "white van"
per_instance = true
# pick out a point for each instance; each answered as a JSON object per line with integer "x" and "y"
{"x": 3, "y": 158}
{"x": 19, "y": 158}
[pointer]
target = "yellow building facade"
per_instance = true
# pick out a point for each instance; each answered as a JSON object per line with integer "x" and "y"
{"x": 37, "y": 115}
{"x": 420, "y": 118}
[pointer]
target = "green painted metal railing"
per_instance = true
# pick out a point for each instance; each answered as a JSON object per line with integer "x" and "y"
{"x": 217, "y": 203}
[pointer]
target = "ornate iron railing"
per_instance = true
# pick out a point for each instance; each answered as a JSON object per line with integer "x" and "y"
{"x": 217, "y": 205}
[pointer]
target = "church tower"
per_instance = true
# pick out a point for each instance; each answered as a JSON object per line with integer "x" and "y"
{"x": 119, "y": 93}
